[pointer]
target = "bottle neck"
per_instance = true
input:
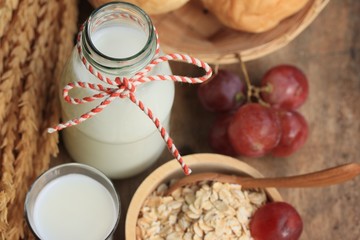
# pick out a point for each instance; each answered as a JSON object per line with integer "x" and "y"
{"x": 119, "y": 39}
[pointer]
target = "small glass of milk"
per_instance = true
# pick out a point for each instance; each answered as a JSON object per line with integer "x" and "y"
{"x": 72, "y": 201}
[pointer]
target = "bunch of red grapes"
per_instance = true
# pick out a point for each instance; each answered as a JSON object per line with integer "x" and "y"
{"x": 268, "y": 125}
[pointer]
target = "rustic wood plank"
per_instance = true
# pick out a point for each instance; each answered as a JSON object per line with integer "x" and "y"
{"x": 329, "y": 53}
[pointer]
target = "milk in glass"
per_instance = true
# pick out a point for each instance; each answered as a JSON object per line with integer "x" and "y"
{"x": 72, "y": 201}
{"x": 74, "y": 206}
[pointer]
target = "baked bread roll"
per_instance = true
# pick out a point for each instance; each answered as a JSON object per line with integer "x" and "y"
{"x": 253, "y": 15}
{"x": 151, "y": 7}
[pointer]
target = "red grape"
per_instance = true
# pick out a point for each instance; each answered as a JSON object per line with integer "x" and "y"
{"x": 254, "y": 130}
{"x": 288, "y": 87}
{"x": 224, "y": 92}
{"x": 219, "y": 140}
{"x": 294, "y": 133}
{"x": 276, "y": 220}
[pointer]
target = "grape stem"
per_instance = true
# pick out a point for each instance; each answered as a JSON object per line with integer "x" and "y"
{"x": 217, "y": 64}
{"x": 216, "y": 68}
{"x": 252, "y": 91}
{"x": 256, "y": 93}
{"x": 247, "y": 79}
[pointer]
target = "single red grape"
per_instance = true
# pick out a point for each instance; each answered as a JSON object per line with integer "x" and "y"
{"x": 294, "y": 133}
{"x": 218, "y": 138}
{"x": 276, "y": 220}
{"x": 288, "y": 87}
{"x": 254, "y": 130}
{"x": 224, "y": 92}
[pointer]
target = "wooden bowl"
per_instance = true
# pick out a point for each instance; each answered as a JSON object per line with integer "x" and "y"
{"x": 192, "y": 31}
{"x": 171, "y": 170}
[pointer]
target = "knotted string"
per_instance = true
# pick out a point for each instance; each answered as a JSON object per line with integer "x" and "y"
{"x": 125, "y": 88}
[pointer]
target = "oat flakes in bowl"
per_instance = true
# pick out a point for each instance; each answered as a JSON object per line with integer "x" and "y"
{"x": 207, "y": 210}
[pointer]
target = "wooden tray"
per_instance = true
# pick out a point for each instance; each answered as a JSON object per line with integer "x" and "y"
{"x": 194, "y": 31}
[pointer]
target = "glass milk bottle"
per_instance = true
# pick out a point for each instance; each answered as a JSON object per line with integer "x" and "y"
{"x": 121, "y": 141}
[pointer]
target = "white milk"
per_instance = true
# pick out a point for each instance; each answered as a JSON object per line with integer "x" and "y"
{"x": 121, "y": 141}
{"x": 74, "y": 207}
{"x": 110, "y": 41}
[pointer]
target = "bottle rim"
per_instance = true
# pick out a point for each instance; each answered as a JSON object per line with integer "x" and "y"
{"x": 106, "y": 62}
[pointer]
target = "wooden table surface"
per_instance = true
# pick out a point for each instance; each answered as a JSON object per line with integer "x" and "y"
{"x": 328, "y": 51}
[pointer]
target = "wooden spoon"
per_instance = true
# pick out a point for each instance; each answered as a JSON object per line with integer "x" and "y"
{"x": 321, "y": 178}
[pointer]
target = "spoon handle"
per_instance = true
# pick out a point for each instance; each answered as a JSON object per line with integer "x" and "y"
{"x": 321, "y": 178}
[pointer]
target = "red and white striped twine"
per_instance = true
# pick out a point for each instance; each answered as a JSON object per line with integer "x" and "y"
{"x": 126, "y": 87}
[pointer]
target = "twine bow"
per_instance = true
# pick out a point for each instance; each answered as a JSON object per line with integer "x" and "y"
{"x": 125, "y": 88}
